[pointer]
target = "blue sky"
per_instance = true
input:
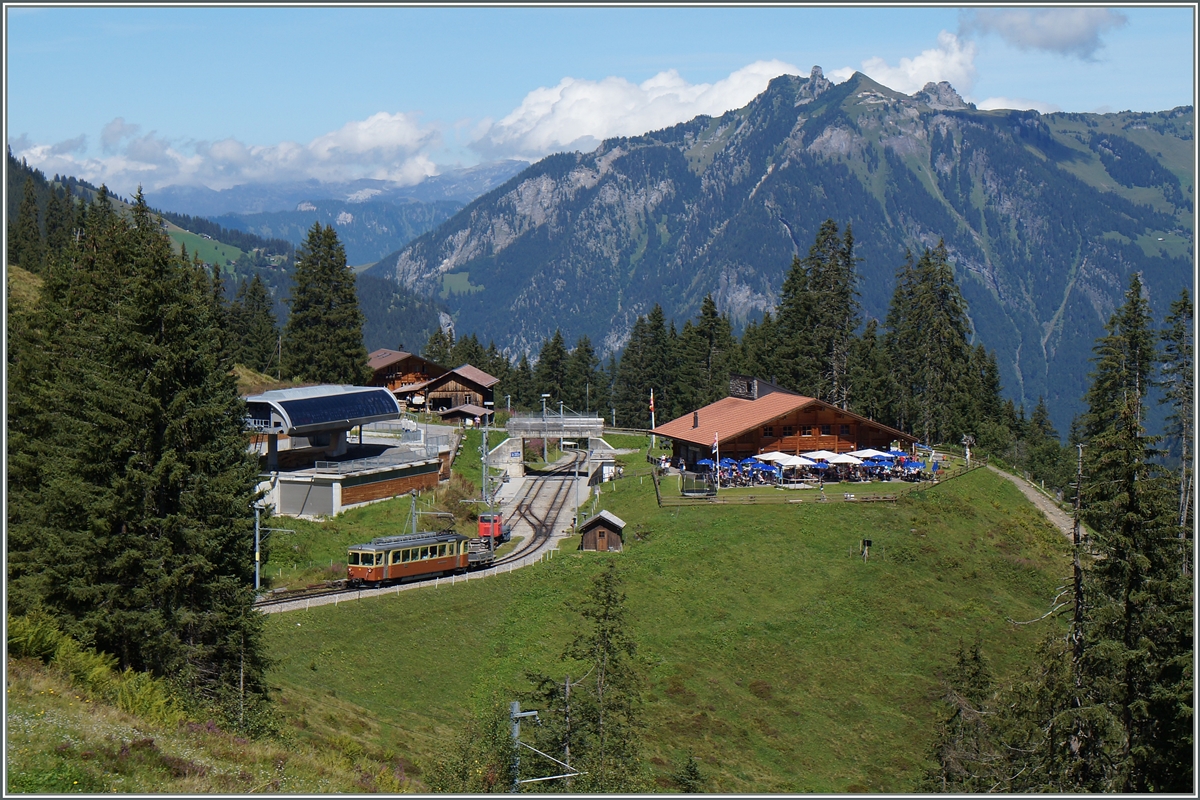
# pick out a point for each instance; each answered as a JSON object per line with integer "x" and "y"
{"x": 225, "y": 95}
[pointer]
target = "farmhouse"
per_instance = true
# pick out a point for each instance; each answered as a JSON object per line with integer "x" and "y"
{"x": 759, "y": 417}
{"x": 398, "y": 370}
{"x": 461, "y": 386}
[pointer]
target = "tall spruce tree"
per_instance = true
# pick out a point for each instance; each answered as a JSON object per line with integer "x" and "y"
{"x": 581, "y": 377}
{"x": 255, "y": 331}
{"x": 595, "y": 720}
{"x": 1111, "y": 708}
{"x": 550, "y": 374}
{"x": 818, "y": 314}
{"x": 928, "y": 345}
{"x": 25, "y": 245}
{"x": 645, "y": 365}
{"x": 322, "y": 341}
{"x": 1178, "y": 385}
{"x": 130, "y": 484}
{"x": 439, "y": 348}
{"x": 716, "y": 332}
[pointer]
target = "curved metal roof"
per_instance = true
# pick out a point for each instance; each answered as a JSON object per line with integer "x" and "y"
{"x": 311, "y": 409}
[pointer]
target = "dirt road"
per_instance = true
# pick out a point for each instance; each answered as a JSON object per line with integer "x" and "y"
{"x": 1056, "y": 515}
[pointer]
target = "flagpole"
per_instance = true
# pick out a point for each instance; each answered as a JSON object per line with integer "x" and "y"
{"x": 653, "y": 438}
{"x": 717, "y": 450}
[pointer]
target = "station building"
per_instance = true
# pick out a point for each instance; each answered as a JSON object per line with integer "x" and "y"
{"x": 760, "y": 417}
{"x": 313, "y": 468}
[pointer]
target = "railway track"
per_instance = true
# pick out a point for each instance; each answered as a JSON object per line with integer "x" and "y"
{"x": 539, "y": 506}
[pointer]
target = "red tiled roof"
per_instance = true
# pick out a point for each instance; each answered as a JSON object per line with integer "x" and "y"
{"x": 730, "y": 417}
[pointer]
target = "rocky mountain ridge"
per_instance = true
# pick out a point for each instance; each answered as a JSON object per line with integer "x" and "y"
{"x": 1042, "y": 233}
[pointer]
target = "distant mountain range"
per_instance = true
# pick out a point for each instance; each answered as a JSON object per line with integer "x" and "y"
{"x": 462, "y": 185}
{"x": 1045, "y": 217}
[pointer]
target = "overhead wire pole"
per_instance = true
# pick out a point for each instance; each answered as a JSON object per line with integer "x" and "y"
{"x": 515, "y": 715}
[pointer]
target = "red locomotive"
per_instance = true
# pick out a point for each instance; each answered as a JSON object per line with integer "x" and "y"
{"x": 492, "y": 524}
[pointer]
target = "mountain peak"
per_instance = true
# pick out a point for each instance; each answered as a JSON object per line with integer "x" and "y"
{"x": 941, "y": 96}
{"x": 814, "y": 87}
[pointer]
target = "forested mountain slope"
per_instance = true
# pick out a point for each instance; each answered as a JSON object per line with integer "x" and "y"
{"x": 1044, "y": 216}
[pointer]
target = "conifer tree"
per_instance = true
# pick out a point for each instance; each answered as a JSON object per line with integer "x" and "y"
{"x": 1111, "y": 709}
{"x": 439, "y": 348}
{"x": 255, "y": 331}
{"x": 130, "y": 489}
{"x": 581, "y": 381}
{"x": 928, "y": 330}
{"x": 756, "y": 353}
{"x": 524, "y": 390}
{"x": 870, "y": 376}
{"x": 550, "y": 373}
{"x": 467, "y": 350}
{"x": 322, "y": 340}
{"x": 1178, "y": 385}
{"x": 25, "y": 245}
{"x": 59, "y": 213}
{"x": 716, "y": 332}
{"x": 599, "y": 720}
{"x": 645, "y": 365}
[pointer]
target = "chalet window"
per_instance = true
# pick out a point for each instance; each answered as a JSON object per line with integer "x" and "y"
{"x": 806, "y": 430}
{"x": 845, "y": 430}
{"x": 826, "y": 430}
{"x": 768, "y": 431}
{"x": 788, "y": 430}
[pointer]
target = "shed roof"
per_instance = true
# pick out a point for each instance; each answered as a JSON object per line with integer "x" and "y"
{"x": 466, "y": 409}
{"x": 603, "y": 516}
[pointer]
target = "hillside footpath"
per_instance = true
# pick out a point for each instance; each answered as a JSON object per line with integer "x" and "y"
{"x": 1056, "y": 515}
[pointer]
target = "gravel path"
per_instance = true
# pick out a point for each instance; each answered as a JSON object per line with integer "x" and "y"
{"x": 1056, "y": 515}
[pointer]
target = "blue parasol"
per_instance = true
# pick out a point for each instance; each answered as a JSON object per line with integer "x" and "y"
{"x": 705, "y": 462}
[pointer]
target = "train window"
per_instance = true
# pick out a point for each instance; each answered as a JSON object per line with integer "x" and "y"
{"x": 406, "y": 555}
{"x": 441, "y": 550}
{"x": 396, "y": 556}
{"x": 353, "y": 559}
{"x": 424, "y": 552}
{"x": 378, "y": 558}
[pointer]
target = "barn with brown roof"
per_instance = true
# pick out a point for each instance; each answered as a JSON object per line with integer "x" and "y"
{"x": 461, "y": 386}
{"x": 759, "y": 417}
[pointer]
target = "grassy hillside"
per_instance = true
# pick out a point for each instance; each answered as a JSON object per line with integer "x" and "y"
{"x": 774, "y": 653}
{"x": 60, "y": 740}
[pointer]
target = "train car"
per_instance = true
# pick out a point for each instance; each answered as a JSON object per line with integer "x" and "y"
{"x": 396, "y": 558}
{"x": 492, "y": 524}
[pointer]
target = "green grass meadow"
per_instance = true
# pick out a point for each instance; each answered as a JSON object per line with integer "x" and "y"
{"x": 773, "y": 652}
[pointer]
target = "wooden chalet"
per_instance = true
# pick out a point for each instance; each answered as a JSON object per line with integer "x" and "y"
{"x": 397, "y": 369}
{"x": 461, "y": 386}
{"x": 604, "y": 532}
{"x": 759, "y": 417}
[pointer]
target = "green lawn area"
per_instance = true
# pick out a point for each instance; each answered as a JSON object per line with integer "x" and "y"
{"x": 774, "y": 653}
{"x": 209, "y": 250}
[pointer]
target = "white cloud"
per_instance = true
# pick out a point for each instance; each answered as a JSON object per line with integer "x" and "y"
{"x": 952, "y": 60}
{"x": 1068, "y": 31}
{"x": 384, "y": 146}
{"x": 114, "y": 132}
{"x": 578, "y": 114}
{"x": 1016, "y": 103}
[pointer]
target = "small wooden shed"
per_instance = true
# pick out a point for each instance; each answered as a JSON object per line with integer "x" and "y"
{"x": 603, "y": 532}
